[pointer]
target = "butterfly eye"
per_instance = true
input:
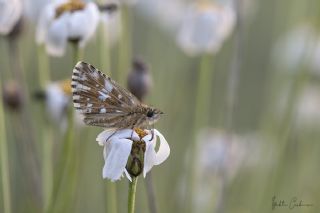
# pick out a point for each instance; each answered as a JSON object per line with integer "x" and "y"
{"x": 150, "y": 114}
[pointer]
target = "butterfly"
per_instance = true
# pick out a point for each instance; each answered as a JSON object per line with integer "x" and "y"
{"x": 103, "y": 102}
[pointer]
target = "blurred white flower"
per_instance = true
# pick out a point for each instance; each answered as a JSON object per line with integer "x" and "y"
{"x": 296, "y": 48}
{"x": 128, "y": 2}
{"x": 127, "y": 148}
{"x": 205, "y": 28}
{"x": 220, "y": 153}
{"x": 308, "y": 113}
{"x": 32, "y": 8}
{"x": 10, "y": 14}
{"x": 315, "y": 59}
{"x": 63, "y": 21}
{"x": 221, "y": 156}
{"x": 58, "y": 99}
{"x": 167, "y": 13}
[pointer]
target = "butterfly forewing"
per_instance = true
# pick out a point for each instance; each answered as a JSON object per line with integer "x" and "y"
{"x": 100, "y": 99}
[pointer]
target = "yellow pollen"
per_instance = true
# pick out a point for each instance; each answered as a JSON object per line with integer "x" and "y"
{"x": 206, "y": 6}
{"x": 66, "y": 86}
{"x": 71, "y": 6}
{"x": 140, "y": 132}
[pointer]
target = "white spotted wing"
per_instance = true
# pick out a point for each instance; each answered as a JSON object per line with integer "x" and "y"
{"x": 100, "y": 99}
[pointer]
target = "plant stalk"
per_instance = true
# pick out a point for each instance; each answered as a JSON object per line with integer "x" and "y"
{"x": 132, "y": 194}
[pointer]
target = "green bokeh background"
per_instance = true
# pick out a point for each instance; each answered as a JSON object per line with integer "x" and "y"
{"x": 295, "y": 173}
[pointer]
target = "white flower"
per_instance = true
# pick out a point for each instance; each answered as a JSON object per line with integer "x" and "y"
{"x": 308, "y": 106}
{"x": 58, "y": 98}
{"x": 167, "y": 13}
{"x": 296, "y": 48}
{"x": 10, "y": 14}
{"x": 32, "y": 8}
{"x": 118, "y": 146}
{"x": 61, "y": 21}
{"x": 129, "y": 2}
{"x": 56, "y": 101}
{"x": 219, "y": 153}
{"x": 221, "y": 156}
{"x": 205, "y": 27}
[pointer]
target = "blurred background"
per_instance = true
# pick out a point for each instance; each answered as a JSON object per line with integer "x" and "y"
{"x": 238, "y": 80}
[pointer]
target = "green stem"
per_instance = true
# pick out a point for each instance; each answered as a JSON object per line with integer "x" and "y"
{"x": 5, "y": 171}
{"x": 132, "y": 194}
{"x": 47, "y": 140}
{"x": 111, "y": 188}
{"x": 67, "y": 171}
{"x": 284, "y": 129}
{"x": 124, "y": 57}
{"x": 77, "y": 53}
{"x": 203, "y": 91}
{"x": 200, "y": 118}
{"x": 47, "y": 167}
{"x": 15, "y": 64}
{"x": 104, "y": 51}
{"x": 43, "y": 66}
{"x": 111, "y": 204}
{"x": 151, "y": 194}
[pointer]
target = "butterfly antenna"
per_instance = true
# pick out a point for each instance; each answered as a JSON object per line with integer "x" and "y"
{"x": 132, "y": 133}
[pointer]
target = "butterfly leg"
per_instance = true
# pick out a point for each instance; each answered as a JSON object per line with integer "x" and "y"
{"x": 152, "y": 132}
{"x": 132, "y": 132}
{"x": 112, "y": 135}
{"x": 132, "y": 129}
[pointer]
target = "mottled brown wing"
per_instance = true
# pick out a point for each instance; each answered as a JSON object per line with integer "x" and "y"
{"x": 100, "y": 99}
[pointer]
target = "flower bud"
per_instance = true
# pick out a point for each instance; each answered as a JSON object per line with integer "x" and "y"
{"x": 12, "y": 95}
{"x": 135, "y": 162}
{"x": 39, "y": 95}
{"x": 108, "y": 7}
{"x": 139, "y": 79}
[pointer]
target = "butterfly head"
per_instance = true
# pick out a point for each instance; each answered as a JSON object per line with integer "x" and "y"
{"x": 153, "y": 115}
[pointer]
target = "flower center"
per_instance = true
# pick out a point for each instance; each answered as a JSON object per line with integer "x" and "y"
{"x": 71, "y": 6}
{"x": 140, "y": 132}
{"x": 66, "y": 87}
{"x": 206, "y": 6}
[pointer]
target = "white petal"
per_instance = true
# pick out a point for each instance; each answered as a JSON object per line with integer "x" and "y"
{"x": 116, "y": 134}
{"x": 112, "y": 27}
{"x": 56, "y": 102}
{"x": 84, "y": 23}
{"x": 93, "y": 16}
{"x": 116, "y": 159}
{"x": 106, "y": 150}
{"x": 77, "y": 25}
{"x": 150, "y": 155}
{"x": 10, "y": 13}
{"x": 127, "y": 133}
{"x": 57, "y": 36}
{"x": 164, "y": 149}
{"x": 44, "y": 20}
{"x": 103, "y": 136}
